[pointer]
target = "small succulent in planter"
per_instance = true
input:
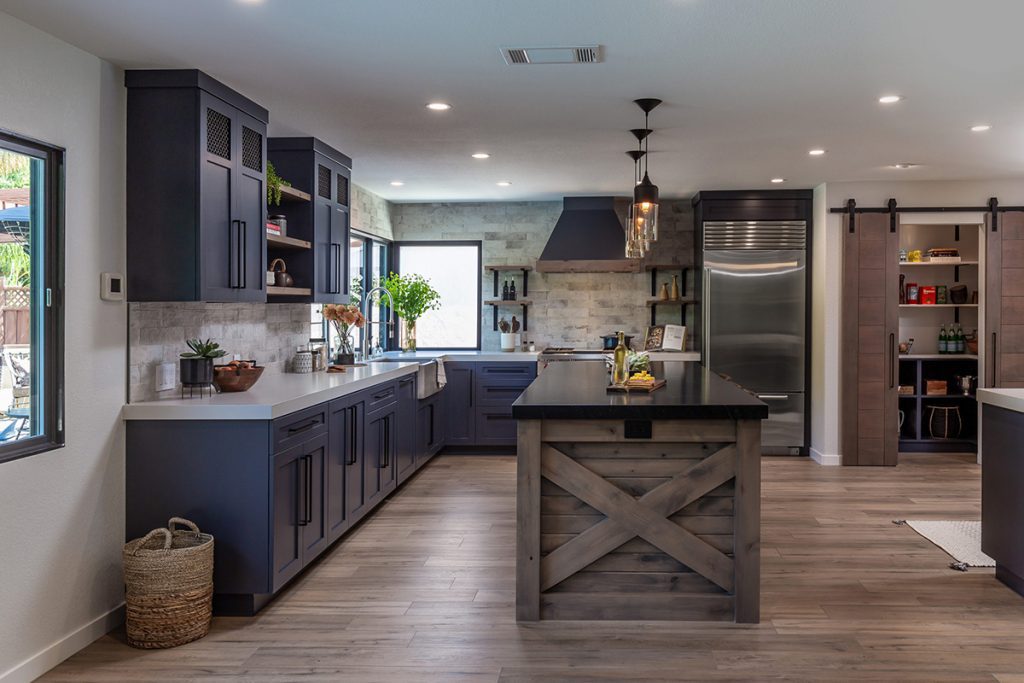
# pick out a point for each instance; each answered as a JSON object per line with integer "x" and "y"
{"x": 197, "y": 363}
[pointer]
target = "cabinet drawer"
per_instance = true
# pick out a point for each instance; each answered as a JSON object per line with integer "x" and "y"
{"x": 502, "y": 371}
{"x": 297, "y": 427}
{"x": 495, "y": 426}
{"x": 501, "y": 394}
{"x": 381, "y": 395}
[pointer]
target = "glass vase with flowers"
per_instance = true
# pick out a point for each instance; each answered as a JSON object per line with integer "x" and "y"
{"x": 345, "y": 319}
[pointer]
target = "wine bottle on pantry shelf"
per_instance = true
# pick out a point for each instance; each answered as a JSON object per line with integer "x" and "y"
{"x": 943, "y": 341}
{"x": 961, "y": 342}
{"x": 504, "y": 292}
{"x": 512, "y": 291}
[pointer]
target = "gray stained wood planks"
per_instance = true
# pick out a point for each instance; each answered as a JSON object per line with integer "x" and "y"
{"x": 425, "y": 591}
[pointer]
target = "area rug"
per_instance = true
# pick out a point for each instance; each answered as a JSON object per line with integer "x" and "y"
{"x": 961, "y": 539}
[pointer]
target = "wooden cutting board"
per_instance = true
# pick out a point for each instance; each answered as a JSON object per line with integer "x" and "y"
{"x": 639, "y": 387}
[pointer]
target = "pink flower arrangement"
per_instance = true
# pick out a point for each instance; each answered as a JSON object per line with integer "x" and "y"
{"x": 344, "y": 317}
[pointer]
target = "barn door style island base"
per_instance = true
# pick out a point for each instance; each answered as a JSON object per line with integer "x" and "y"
{"x": 638, "y": 506}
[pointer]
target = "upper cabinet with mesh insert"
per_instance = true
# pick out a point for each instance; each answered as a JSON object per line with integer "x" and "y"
{"x": 322, "y": 172}
{"x": 196, "y": 164}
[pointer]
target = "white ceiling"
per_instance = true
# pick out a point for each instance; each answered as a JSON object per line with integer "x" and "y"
{"x": 749, "y": 85}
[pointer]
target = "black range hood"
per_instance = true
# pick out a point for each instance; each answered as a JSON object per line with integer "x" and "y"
{"x": 588, "y": 238}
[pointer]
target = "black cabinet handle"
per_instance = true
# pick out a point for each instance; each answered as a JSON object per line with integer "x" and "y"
{"x": 309, "y": 488}
{"x": 337, "y": 268}
{"x": 385, "y": 456}
{"x": 353, "y": 439}
{"x": 300, "y": 504}
{"x": 244, "y": 229}
{"x": 304, "y": 428}
{"x": 383, "y": 395}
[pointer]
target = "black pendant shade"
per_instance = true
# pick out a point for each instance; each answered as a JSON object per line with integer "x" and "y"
{"x": 643, "y": 212}
{"x": 645, "y": 192}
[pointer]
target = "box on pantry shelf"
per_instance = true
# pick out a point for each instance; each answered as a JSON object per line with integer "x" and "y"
{"x": 936, "y": 387}
{"x": 928, "y": 295}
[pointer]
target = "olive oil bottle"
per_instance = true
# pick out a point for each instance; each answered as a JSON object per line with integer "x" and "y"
{"x": 620, "y": 373}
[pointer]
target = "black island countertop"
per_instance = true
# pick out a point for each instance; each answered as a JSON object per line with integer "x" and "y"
{"x": 578, "y": 391}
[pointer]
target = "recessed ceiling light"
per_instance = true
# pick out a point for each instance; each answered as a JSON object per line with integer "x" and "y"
{"x": 980, "y": 128}
{"x": 778, "y": 180}
{"x": 397, "y": 183}
{"x": 889, "y": 99}
{"x": 503, "y": 183}
{"x": 904, "y": 165}
{"x": 817, "y": 152}
{"x": 439, "y": 106}
{"x": 481, "y": 155}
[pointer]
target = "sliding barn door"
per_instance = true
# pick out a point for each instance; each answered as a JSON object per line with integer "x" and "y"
{"x": 870, "y": 371}
{"x": 1004, "y": 300}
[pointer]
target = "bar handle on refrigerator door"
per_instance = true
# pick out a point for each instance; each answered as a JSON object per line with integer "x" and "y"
{"x": 705, "y": 318}
{"x": 773, "y": 397}
{"x": 892, "y": 360}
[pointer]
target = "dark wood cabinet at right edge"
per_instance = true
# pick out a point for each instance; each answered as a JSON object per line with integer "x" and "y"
{"x": 324, "y": 173}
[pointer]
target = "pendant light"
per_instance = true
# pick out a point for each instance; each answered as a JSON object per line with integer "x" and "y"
{"x": 636, "y": 241}
{"x": 645, "y": 193}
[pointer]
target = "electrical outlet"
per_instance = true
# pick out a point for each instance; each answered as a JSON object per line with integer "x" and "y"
{"x": 165, "y": 377}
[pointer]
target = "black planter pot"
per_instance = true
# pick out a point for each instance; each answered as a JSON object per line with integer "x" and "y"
{"x": 196, "y": 372}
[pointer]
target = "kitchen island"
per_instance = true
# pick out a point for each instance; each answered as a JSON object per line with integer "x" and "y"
{"x": 1002, "y": 478}
{"x": 638, "y": 506}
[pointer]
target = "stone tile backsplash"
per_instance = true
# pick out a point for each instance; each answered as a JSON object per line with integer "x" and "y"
{"x": 569, "y": 309}
{"x": 268, "y": 333}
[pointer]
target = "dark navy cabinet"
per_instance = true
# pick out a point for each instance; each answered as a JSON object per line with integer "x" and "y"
{"x": 324, "y": 173}
{"x": 379, "y": 464}
{"x": 299, "y": 494}
{"x": 430, "y": 427}
{"x": 406, "y": 460}
{"x": 459, "y": 404}
{"x": 196, "y": 189}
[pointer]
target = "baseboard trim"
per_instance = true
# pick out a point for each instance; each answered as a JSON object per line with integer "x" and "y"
{"x": 49, "y": 657}
{"x": 826, "y": 459}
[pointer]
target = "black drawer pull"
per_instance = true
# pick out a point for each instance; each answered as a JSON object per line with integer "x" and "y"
{"x": 389, "y": 392}
{"x": 304, "y": 428}
{"x": 407, "y": 380}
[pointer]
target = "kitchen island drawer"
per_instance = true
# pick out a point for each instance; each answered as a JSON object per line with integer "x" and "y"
{"x": 295, "y": 428}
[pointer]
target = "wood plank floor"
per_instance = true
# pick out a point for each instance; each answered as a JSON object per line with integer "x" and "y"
{"x": 424, "y": 591}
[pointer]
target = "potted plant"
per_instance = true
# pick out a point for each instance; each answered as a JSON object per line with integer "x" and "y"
{"x": 274, "y": 184}
{"x": 197, "y": 364}
{"x": 344, "y": 318}
{"x": 413, "y": 296}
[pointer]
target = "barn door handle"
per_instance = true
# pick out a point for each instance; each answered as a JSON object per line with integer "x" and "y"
{"x": 892, "y": 360}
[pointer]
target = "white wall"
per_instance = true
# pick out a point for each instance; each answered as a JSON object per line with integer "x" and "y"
{"x": 826, "y": 359}
{"x": 62, "y": 512}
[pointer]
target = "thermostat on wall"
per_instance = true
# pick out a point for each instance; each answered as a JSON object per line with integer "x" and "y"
{"x": 112, "y": 286}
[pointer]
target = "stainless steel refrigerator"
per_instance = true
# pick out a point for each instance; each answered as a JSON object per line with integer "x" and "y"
{"x": 754, "y": 314}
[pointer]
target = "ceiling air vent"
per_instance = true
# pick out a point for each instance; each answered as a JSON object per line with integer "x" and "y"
{"x": 581, "y": 54}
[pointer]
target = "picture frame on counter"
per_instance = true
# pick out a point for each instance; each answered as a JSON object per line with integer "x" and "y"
{"x": 665, "y": 338}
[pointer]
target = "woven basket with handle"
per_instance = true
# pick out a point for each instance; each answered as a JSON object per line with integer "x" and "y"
{"x": 168, "y": 577}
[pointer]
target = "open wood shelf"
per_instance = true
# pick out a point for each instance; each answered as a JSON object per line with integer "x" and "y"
{"x": 288, "y": 291}
{"x": 939, "y": 356}
{"x": 499, "y": 268}
{"x": 666, "y": 266}
{"x": 910, "y": 264}
{"x": 285, "y": 242}
{"x": 502, "y": 302}
{"x": 290, "y": 194}
{"x": 938, "y": 305}
{"x": 670, "y": 302}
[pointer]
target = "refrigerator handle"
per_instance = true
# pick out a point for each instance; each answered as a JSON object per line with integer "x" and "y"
{"x": 705, "y": 317}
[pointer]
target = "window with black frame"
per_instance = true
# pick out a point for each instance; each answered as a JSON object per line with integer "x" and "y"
{"x": 369, "y": 263}
{"x": 453, "y": 269}
{"x": 31, "y": 311}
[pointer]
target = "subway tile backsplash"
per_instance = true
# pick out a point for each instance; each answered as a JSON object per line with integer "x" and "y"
{"x": 268, "y": 333}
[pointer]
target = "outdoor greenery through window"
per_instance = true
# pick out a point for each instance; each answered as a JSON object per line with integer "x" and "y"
{"x": 453, "y": 269}
{"x": 31, "y": 372}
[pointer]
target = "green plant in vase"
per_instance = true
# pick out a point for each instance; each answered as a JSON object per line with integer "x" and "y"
{"x": 413, "y": 296}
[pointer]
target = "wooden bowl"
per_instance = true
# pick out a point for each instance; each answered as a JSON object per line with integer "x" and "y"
{"x": 230, "y": 378}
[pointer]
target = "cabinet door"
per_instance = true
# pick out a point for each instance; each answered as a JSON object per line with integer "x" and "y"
{"x": 870, "y": 433}
{"x": 429, "y": 428}
{"x": 339, "y": 452}
{"x": 289, "y": 513}
{"x": 379, "y": 463}
{"x": 330, "y": 232}
{"x": 340, "y": 231}
{"x": 460, "y": 419}
{"x": 251, "y": 208}
{"x": 357, "y": 491}
{"x": 1003, "y": 343}
{"x": 220, "y": 232}
{"x": 315, "y": 535}
{"x": 405, "y": 429}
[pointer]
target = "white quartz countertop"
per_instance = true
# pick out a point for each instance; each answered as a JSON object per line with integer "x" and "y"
{"x": 279, "y": 394}
{"x": 1011, "y": 399}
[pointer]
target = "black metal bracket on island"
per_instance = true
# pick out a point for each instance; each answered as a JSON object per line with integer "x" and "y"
{"x": 638, "y": 506}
